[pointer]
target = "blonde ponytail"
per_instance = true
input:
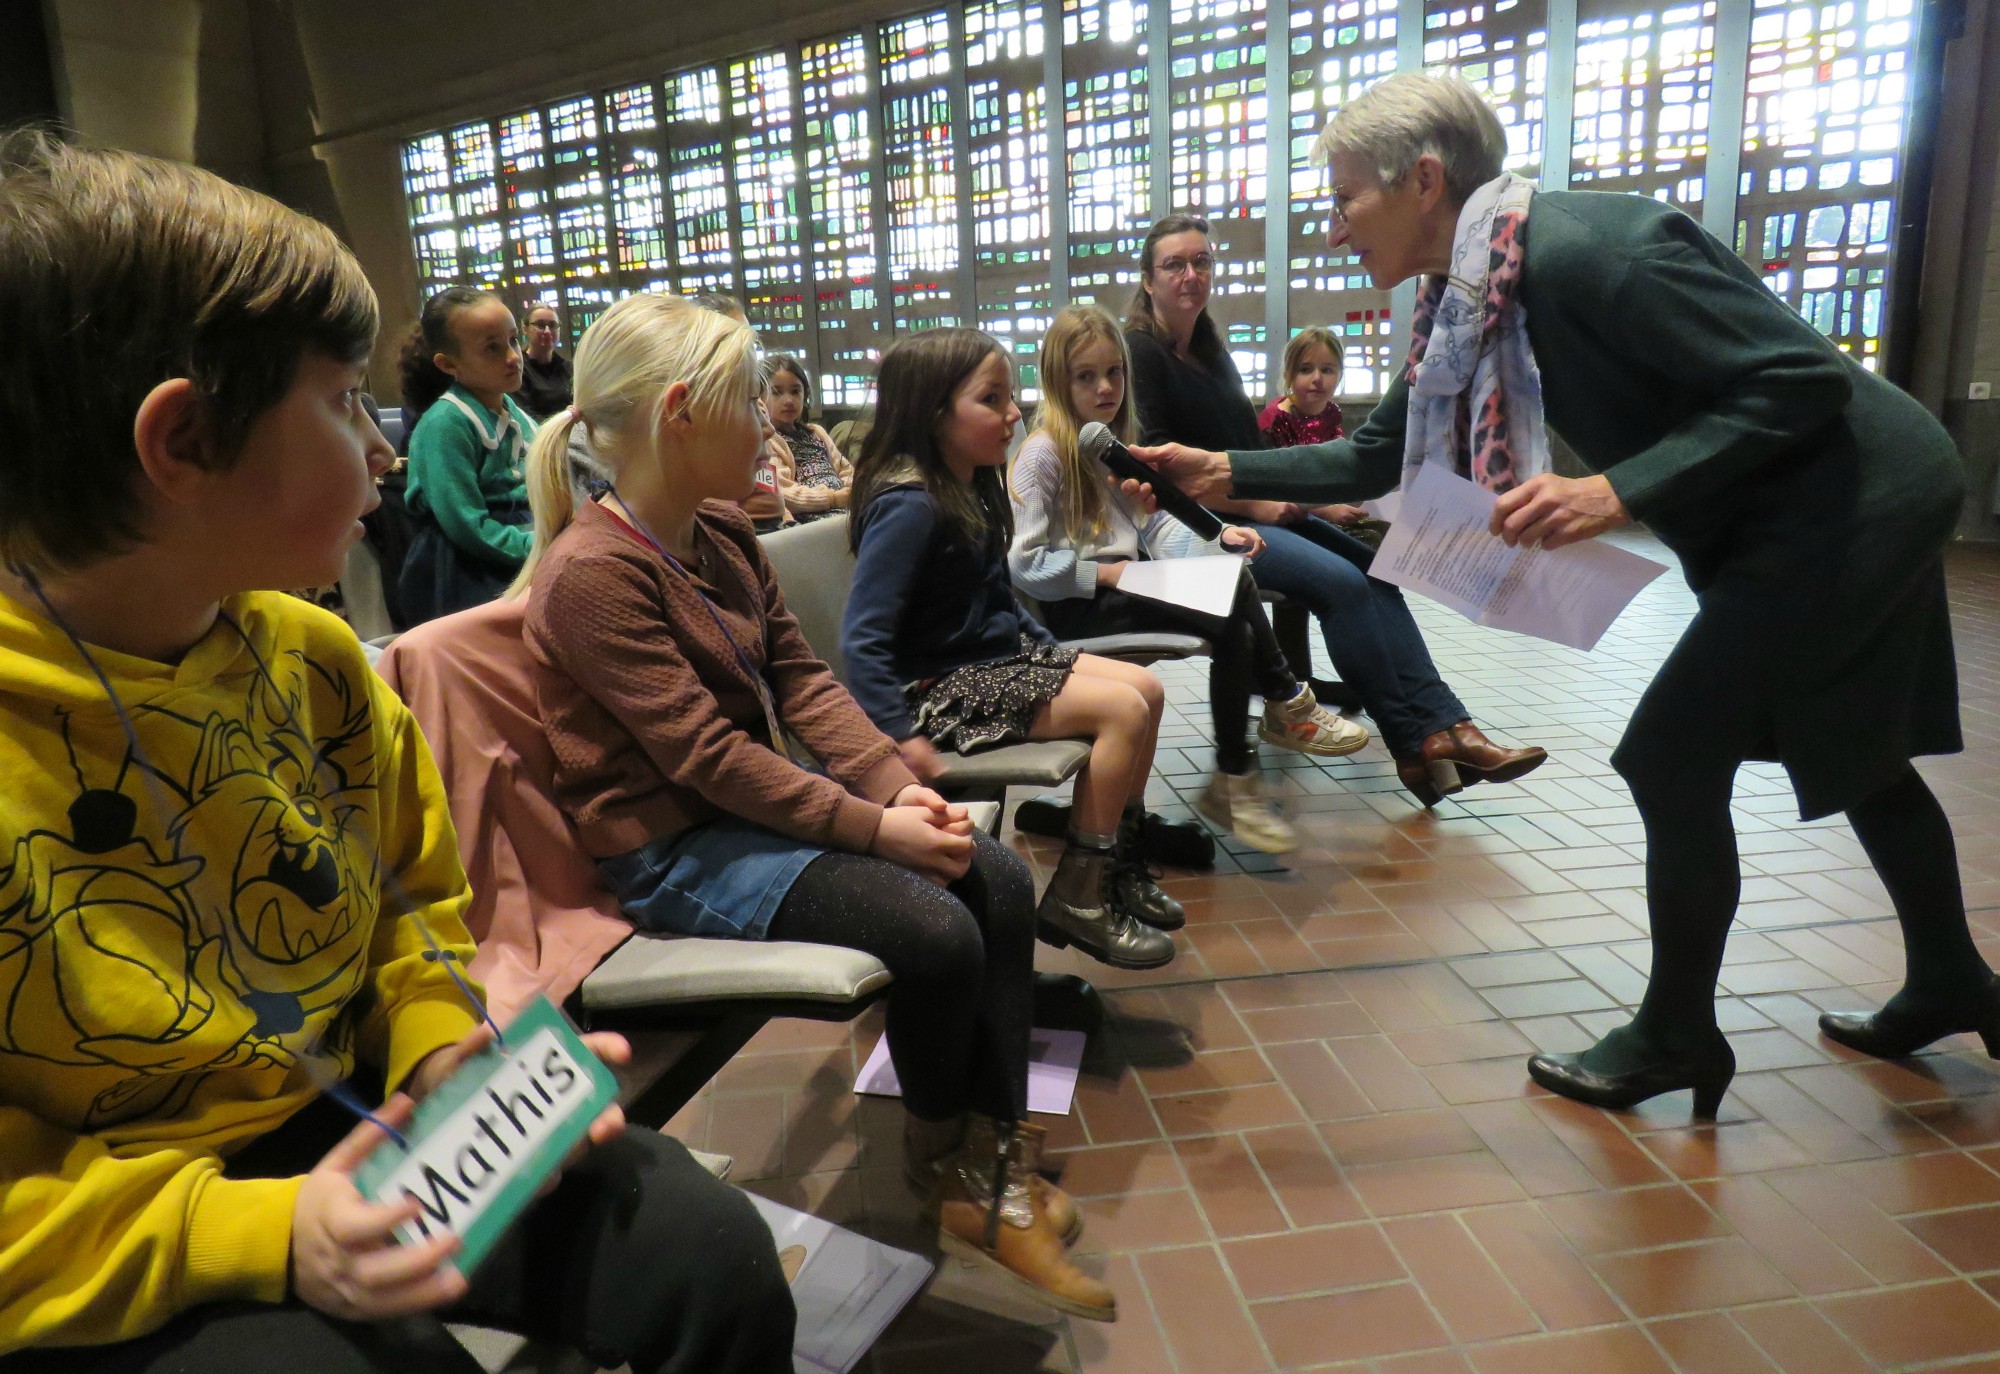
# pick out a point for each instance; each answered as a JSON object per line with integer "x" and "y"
{"x": 625, "y": 362}
{"x": 551, "y": 493}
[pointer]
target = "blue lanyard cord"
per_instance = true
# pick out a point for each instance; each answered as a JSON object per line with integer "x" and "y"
{"x": 323, "y": 1076}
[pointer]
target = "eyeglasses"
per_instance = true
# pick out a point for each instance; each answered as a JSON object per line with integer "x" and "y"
{"x": 1341, "y": 200}
{"x": 1202, "y": 263}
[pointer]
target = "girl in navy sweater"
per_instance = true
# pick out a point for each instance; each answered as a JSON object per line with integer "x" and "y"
{"x": 940, "y": 653}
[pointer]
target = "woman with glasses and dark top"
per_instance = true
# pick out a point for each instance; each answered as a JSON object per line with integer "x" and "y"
{"x": 1189, "y": 392}
{"x": 547, "y": 380}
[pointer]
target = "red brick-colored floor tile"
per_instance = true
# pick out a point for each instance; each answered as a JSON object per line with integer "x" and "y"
{"x": 1923, "y": 1183}
{"x": 1115, "y": 1111}
{"x": 1216, "y": 1069}
{"x": 1800, "y": 1341}
{"x": 1134, "y": 1344}
{"x": 1851, "y": 1221}
{"x": 1318, "y": 1021}
{"x": 1317, "y": 1082}
{"x": 1968, "y": 1240}
{"x": 1389, "y": 1081}
{"x": 1709, "y": 1344}
{"x": 1353, "y": 1325}
{"x": 1228, "y": 1109}
{"x": 1907, "y": 1325}
{"x": 1142, "y": 1221}
{"x": 1782, "y": 1235}
{"x": 1465, "y": 1290}
{"x": 1433, "y": 1185}
{"x": 1597, "y": 1139}
{"x": 1458, "y": 1044}
{"x": 1691, "y": 1278}
{"x": 1312, "y": 1261}
{"x": 1521, "y": 1140}
{"x": 1605, "y": 1350}
{"x": 1229, "y": 1186}
{"x": 1309, "y": 1186}
{"x": 1114, "y": 1170}
{"x": 1559, "y": 1287}
{"x": 1740, "y": 1147}
{"x": 1389, "y": 1136}
{"x": 1599, "y": 1223}
{"x": 1205, "y": 1325}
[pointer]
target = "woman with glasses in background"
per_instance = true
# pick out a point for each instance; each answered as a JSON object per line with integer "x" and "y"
{"x": 1188, "y": 391}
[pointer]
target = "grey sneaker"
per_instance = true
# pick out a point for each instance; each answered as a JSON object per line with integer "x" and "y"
{"x": 1305, "y": 725}
{"x": 1238, "y": 805}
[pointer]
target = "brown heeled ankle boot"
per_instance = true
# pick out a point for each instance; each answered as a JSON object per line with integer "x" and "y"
{"x": 1477, "y": 758}
{"x": 1060, "y": 1207}
{"x": 988, "y": 1214}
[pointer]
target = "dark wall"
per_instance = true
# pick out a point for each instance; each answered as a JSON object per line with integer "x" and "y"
{"x": 27, "y": 71}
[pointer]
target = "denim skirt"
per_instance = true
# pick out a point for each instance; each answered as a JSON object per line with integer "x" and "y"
{"x": 726, "y": 878}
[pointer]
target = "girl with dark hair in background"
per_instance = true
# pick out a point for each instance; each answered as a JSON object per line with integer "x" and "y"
{"x": 469, "y": 442}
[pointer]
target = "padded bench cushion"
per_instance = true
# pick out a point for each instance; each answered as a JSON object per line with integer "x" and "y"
{"x": 653, "y": 970}
{"x": 1039, "y": 763}
{"x": 1141, "y": 645}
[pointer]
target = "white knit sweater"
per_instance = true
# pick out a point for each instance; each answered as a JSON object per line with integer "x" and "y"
{"x": 1045, "y": 562}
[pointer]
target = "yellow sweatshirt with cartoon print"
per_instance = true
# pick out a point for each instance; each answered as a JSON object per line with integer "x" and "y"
{"x": 181, "y": 927}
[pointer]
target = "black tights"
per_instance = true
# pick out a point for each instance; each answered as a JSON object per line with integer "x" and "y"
{"x": 964, "y": 963}
{"x": 1693, "y": 880}
{"x": 1244, "y": 656}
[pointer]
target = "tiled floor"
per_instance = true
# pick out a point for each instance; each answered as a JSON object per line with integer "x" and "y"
{"x": 1309, "y": 1142}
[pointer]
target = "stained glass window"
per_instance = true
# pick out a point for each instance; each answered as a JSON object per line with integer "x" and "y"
{"x": 1641, "y": 118}
{"x": 1502, "y": 47}
{"x": 1827, "y": 103}
{"x": 698, "y": 182}
{"x": 1009, "y": 130}
{"x": 839, "y": 110}
{"x": 1339, "y": 48}
{"x": 526, "y": 210}
{"x": 576, "y": 186}
{"x": 1106, "y": 140}
{"x": 922, "y": 171}
{"x": 764, "y": 162}
{"x": 804, "y": 185}
{"x": 1217, "y": 160}
{"x": 638, "y": 190}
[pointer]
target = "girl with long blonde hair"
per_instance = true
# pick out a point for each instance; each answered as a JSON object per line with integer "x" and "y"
{"x": 1074, "y": 532}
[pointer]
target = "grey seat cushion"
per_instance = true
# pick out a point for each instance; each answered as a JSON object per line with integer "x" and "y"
{"x": 657, "y": 970}
{"x": 1039, "y": 763}
{"x": 661, "y": 970}
{"x": 1141, "y": 646}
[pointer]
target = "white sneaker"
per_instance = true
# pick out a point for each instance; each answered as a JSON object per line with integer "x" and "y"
{"x": 1238, "y": 805}
{"x": 1305, "y": 725}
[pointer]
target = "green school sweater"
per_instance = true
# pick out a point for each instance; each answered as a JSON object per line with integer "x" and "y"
{"x": 464, "y": 462}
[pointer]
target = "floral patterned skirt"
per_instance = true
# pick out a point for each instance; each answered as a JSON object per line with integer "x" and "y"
{"x": 996, "y": 702}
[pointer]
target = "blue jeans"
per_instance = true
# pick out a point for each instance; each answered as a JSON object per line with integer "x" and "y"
{"x": 1371, "y": 636}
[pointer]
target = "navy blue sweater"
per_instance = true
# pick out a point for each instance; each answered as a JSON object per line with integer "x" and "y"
{"x": 926, "y": 600}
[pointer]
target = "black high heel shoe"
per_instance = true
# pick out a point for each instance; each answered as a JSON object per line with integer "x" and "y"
{"x": 1707, "y": 1073}
{"x": 1897, "y": 1032}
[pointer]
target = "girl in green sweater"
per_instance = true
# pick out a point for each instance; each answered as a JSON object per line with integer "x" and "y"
{"x": 467, "y": 454}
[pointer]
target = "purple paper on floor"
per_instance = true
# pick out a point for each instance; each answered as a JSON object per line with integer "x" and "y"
{"x": 1053, "y": 1058}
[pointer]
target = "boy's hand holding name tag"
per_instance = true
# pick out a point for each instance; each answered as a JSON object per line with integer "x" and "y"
{"x": 364, "y": 1260}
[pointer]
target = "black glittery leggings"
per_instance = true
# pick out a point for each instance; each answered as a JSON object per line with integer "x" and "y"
{"x": 964, "y": 962}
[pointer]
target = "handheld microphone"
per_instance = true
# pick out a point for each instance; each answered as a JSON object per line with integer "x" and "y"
{"x": 1099, "y": 443}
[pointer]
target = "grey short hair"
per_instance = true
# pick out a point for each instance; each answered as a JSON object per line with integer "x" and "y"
{"x": 1397, "y": 121}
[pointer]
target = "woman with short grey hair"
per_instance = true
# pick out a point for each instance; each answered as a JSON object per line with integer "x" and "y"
{"x": 1809, "y": 502}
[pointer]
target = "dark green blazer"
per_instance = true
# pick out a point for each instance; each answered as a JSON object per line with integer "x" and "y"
{"x": 1763, "y": 456}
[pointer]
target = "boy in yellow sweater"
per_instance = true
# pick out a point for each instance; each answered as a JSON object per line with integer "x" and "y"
{"x": 229, "y": 890}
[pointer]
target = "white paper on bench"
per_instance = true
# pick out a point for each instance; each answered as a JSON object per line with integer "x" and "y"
{"x": 1206, "y": 584}
{"x": 848, "y": 1290}
{"x": 1053, "y": 1059}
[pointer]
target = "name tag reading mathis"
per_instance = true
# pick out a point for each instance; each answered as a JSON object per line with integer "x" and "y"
{"x": 487, "y": 1138}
